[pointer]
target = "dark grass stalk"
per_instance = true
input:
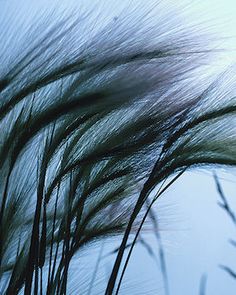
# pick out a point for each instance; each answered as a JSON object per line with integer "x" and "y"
{"x": 3, "y": 205}
{"x": 143, "y": 195}
{"x": 146, "y": 246}
{"x": 63, "y": 273}
{"x": 203, "y": 285}
{"x": 226, "y": 207}
{"x": 159, "y": 193}
{"x": 34, "y": 247}
{"x": 52, "y": 242}
{"x": 161, "y": 250}
{"x": 37, "y": 247}
{"x": 41, "y": 281}
{"x": 53, "y": 268}
{"x": 95, "y": 271}
{"x": 224, "y": 203}
{"x": 232, "y": 242}
{"x": 67, "y": 238}
{"x": 228, "y": 270}
{"x": 142, "y": 242}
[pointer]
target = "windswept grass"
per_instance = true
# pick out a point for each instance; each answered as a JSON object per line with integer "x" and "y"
{"x": 89, "y": 128}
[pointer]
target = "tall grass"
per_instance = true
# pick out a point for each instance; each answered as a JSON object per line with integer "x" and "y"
{"x": 90, "y": 126}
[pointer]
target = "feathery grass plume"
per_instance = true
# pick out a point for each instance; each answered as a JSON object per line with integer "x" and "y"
{"x": 86, "y": 120}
